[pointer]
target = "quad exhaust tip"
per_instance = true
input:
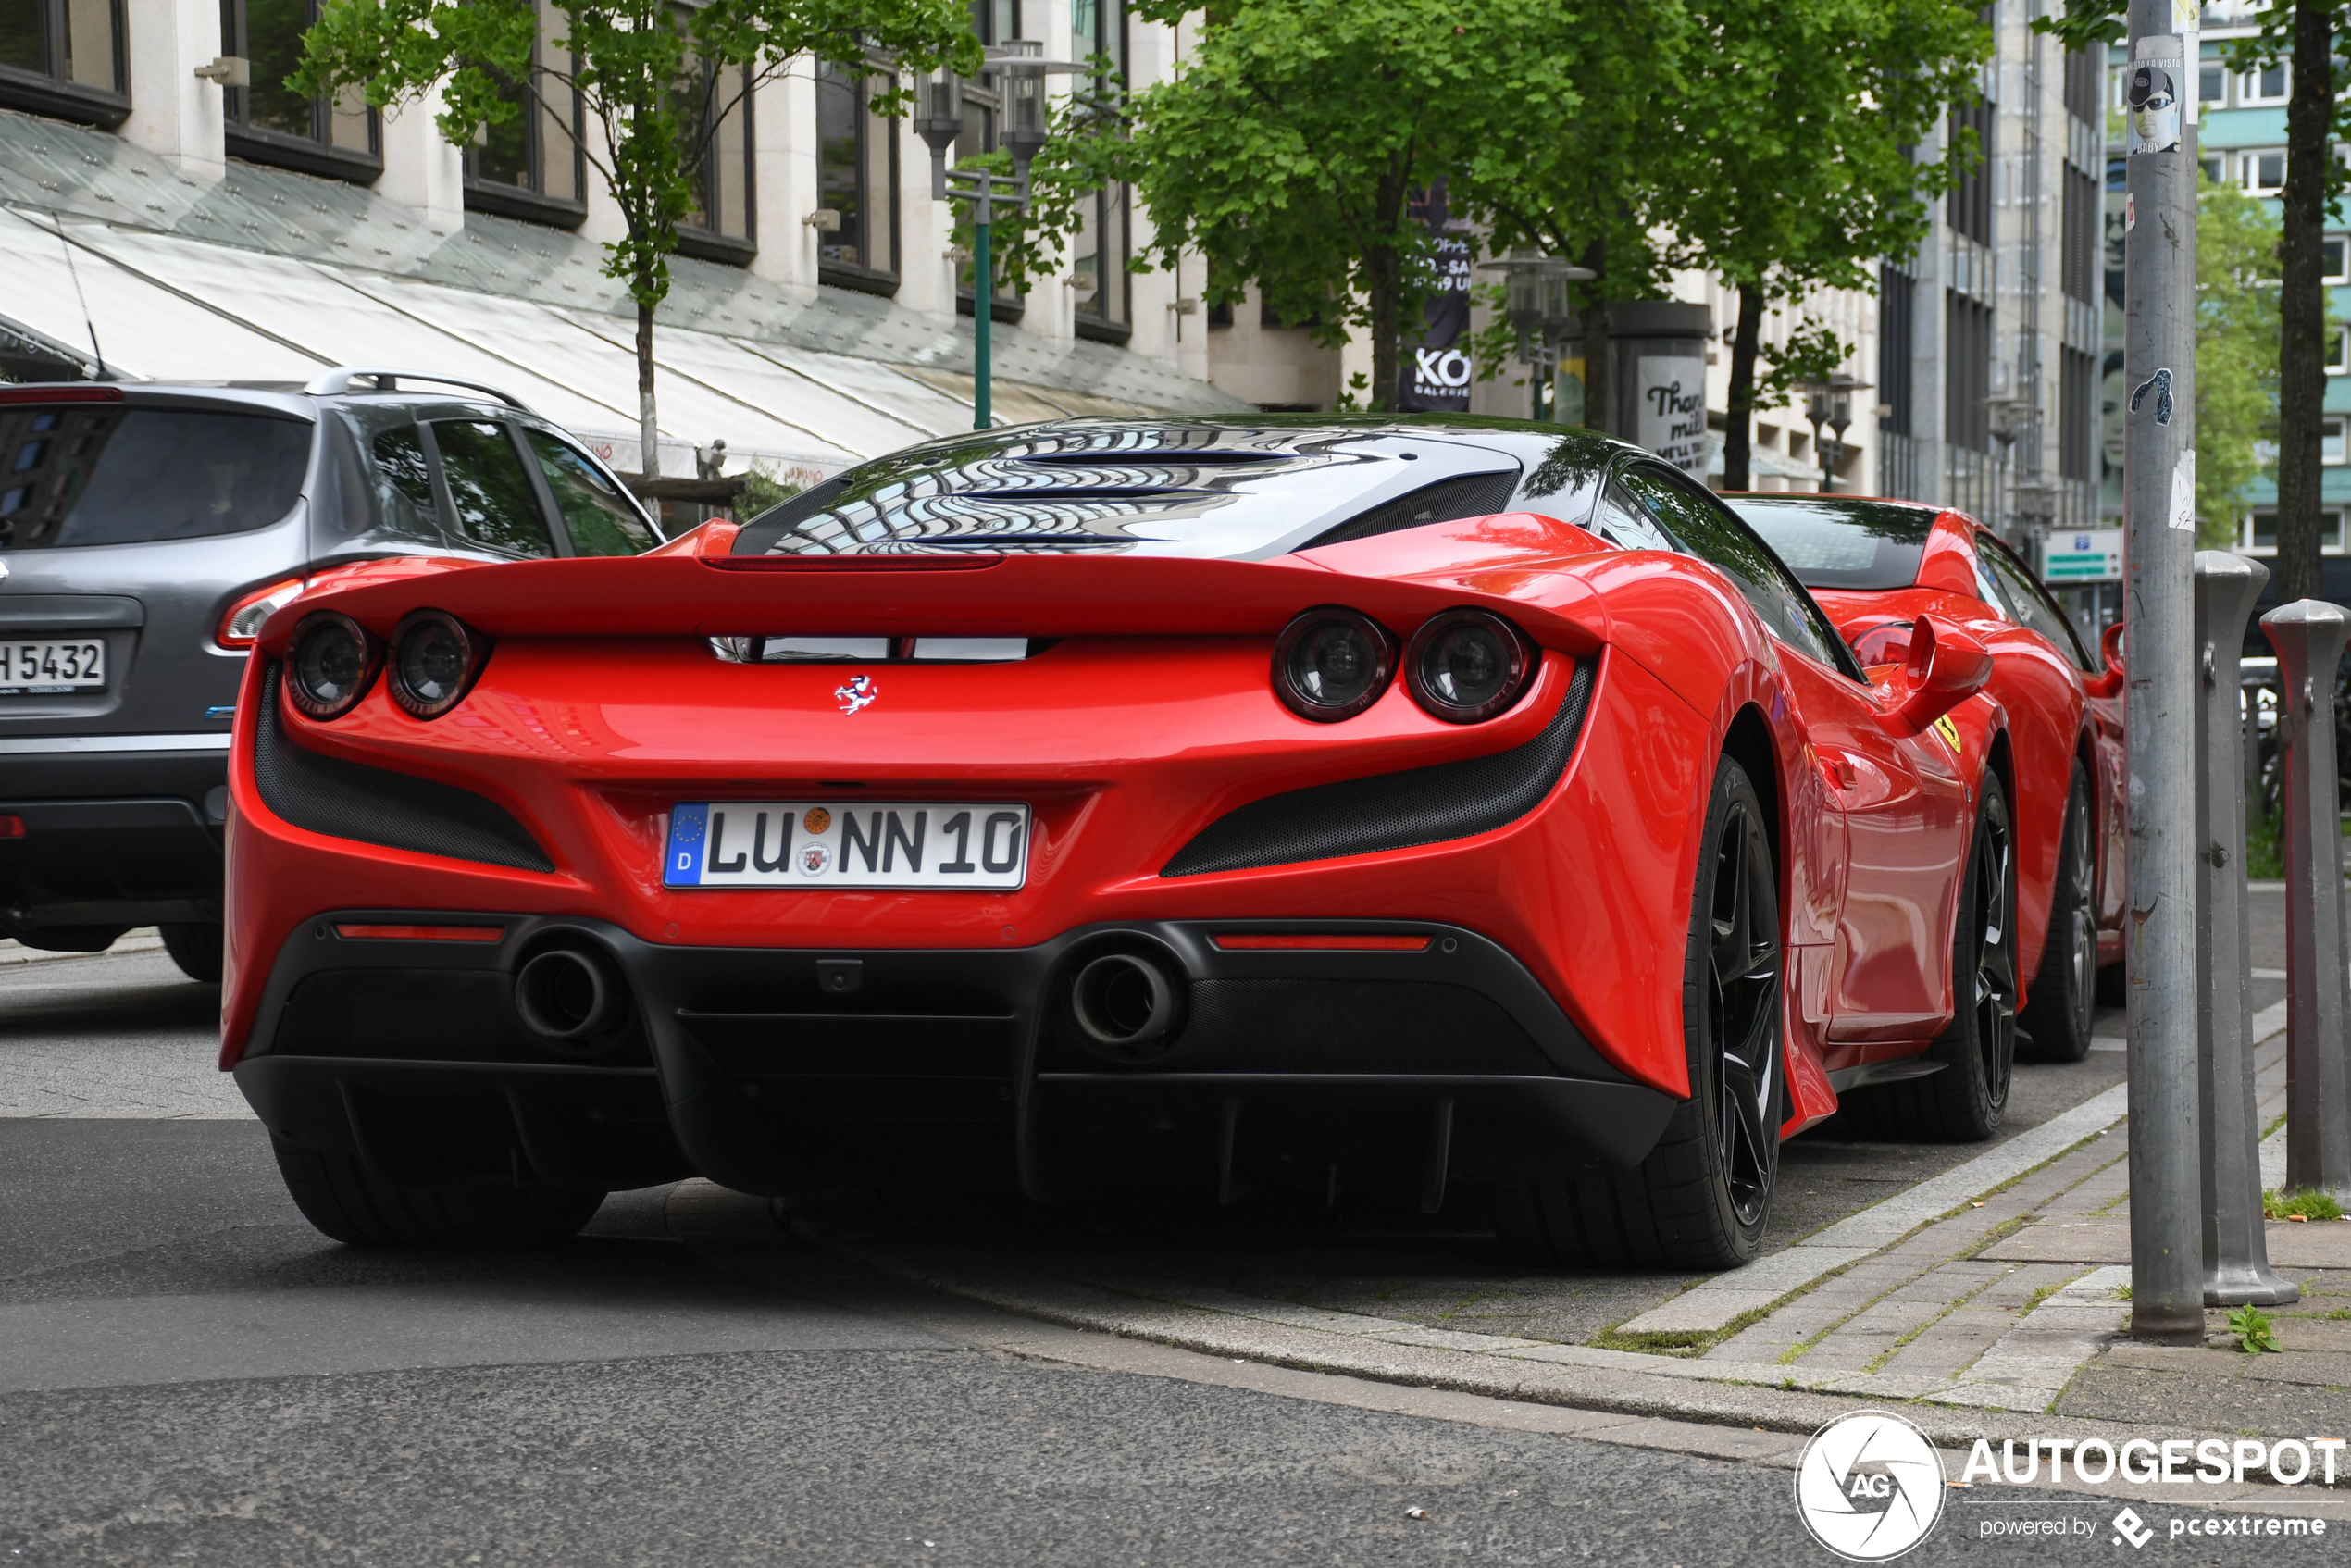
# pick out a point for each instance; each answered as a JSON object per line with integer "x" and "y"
{"x": 564, "y": 995}
{"x": 1122, "y": 1000}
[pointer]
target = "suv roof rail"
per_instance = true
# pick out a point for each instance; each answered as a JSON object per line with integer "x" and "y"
{"x": 334, "y": 382}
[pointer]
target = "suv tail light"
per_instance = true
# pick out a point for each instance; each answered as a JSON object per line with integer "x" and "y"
{"x": 242, "y": 623}
{"x": 435, "y": 658}
{"x": 1331, "y": 664}
{"x": 1464, "y": 665}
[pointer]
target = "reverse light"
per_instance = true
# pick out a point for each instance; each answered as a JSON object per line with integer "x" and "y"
{"x": 242, "y": 623}
{"x": 435, "y": 658}
{"x": 1331, "y": 664}
{"x": 329, "y": 665}
{"x": 1464, "y": 665}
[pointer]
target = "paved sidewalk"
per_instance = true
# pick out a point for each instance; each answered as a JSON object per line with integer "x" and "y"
{"x": 1994, "y": 1287}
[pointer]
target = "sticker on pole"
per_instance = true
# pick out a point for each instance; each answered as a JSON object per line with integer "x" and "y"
{"x": 2154, "y": 98}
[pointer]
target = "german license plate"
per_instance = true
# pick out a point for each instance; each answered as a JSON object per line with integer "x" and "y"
{"x": 30, "y": 667}
{"x": 847, "y": 844}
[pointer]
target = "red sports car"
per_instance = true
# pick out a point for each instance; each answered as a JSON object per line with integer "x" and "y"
{"x": 1363, "y": 804}
{"x": 1875, "y": 567}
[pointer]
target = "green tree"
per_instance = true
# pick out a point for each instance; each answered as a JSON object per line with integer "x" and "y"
{"x": 2317, "y": 117}
{"x": 654, "y": 77}
{"x": 2236, "y": 353}
{"x": 1798, "y": 142}
{"x": 1286, "y": 148}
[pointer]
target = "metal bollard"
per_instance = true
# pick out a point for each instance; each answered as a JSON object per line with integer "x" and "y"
{"x": 2236, "y": 1244}
{"x": 2309, "y": 636}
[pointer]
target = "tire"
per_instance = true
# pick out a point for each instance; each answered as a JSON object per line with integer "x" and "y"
{"x": 2065, "y": 991}
{"x": 1702, "y": 1197}
{"x": 336, "y": 1194}
{"x": 1964, "y": 1102}
{"x": 196, "y": 949}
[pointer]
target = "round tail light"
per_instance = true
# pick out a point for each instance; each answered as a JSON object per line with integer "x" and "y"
{"x": 1332, "y": 664}
{"x": 330, "y": 663}
{"x": 435, "y": 657}
{"x": 1464, "y": 665}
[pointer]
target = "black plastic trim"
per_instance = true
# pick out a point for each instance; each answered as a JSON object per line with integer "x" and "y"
{"x": 1394, "y": 811}
{"x": 376, "y": 805}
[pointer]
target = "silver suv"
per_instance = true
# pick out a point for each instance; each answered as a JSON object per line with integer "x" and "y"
{"x": 146, "y": 531}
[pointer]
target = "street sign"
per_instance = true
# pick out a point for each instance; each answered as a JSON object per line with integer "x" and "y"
{"x": 2092, "y": 556}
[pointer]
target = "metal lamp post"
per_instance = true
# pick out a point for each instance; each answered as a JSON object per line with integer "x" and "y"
{"x": 1535, "y": 304}
{"x": 938, "y": 120}
{"x": 1830, "y": 402}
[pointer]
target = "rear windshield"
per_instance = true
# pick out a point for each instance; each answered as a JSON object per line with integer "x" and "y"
{"x": 102, "y": 474}
{"x": 1866, "y": 545}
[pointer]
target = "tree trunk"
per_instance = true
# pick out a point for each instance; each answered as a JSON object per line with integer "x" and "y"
{"x": 2302, "y": 373}
{"x": 1738, "y": 436}
{"x": 1384, "y": 274}
{"x": 648, "y": 429}
{"x": 1597, "y": 381}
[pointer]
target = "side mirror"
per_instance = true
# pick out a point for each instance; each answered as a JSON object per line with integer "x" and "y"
{"x": 2108, "y": 682}
{"x": 1946, "y": 667}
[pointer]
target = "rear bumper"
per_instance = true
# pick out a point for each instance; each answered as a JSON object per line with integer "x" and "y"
{"x": 774, "y": 1070}
{"x": 112, "y": 837}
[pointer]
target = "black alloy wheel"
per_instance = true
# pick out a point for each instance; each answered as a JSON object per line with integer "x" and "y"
{"x": 1702, "y": 1197}
{"x": 1738, "y": 1001}
{"x": 2065, "y": 991}
{"x": 1963, "y": 1102}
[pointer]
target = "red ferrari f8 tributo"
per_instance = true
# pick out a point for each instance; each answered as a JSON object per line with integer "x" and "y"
{"x": 1876, "y": 566}
{"x": 1349, "y": 803}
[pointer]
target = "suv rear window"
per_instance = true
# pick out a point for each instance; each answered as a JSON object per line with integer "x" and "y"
{"x": 81, "y": 474}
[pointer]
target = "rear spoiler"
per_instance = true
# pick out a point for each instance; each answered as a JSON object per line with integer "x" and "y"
{"x": 680, "y": 593}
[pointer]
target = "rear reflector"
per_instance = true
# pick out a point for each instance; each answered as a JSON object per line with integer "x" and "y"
{"x": 61, "y": 395}
{"x": 1245, "y": 941}
{"x": 850, "y": 562}
{"x": 421, "y": 933}
{"x": 11, "y": 827}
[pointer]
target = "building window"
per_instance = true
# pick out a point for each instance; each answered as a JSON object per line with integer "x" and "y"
{"x": 1968, "y": 208}
{"x": 2267, "y": 85}
{"x": 2331, "y": 448}
{"x": 532, "y": 166}
{"x": 269, "y": 122}
{"x": 2213, "y": 87}
{"x": 2263, "y": 172}
{"x": 996, "y": 21}
{"x": 2331, "y": 259}
{"x": 1967, "y": 372}
{"x": 2260, "y": 535}
{"x": 1098, "y": 253}
{"x": 1896, "y": 289}
{"x": 857, "y": 176}
{"x": 721, "y": 227}
{"x": 2077, "y": 415}
{"x": 65, "y": 58}
{"x": 2082, "y": 218}
{"x": 2082, "y": 85}
{"x": 2339, "y": 352}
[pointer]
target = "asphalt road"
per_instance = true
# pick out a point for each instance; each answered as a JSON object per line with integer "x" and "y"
{"x": 189, "y": 1374}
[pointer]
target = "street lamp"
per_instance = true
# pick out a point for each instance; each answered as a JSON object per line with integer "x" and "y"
{"x": 1830, "y": 402}
{"x": 1535, "y": 304}
{"x": 938, "y": 120}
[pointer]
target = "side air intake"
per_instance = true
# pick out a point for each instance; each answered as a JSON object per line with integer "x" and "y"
{"x": 375, "y": 805}
{"x": 1393, "y": 811}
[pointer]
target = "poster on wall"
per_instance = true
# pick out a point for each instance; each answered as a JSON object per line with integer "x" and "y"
{"x": 1669, "y": 398}
{"x": 1436, "y": 373}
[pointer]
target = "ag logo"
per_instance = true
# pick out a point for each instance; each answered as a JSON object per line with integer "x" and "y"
{"x": 1949, "y": 729}
{"x": 859, "y": 691}
{"x": 1869, "y": 1486}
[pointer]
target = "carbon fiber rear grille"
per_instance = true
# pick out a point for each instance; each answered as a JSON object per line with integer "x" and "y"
{"x": 1393, "y": 811}
{"x": 375, "y": 805}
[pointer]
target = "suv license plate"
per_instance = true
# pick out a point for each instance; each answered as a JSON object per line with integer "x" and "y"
{"x": 31, "y": 668}
{"x": 847, "y": 844}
